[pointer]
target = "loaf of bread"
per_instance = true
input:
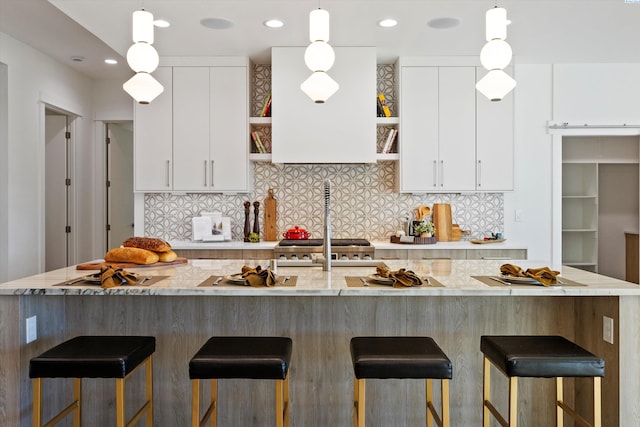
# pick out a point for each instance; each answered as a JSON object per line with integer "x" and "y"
{"x": 168, "y": 256}
{"x": 131, "y": 255}
{"x": 149, "y": 243}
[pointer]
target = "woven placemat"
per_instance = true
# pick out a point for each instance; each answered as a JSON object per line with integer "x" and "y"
{"x": 356, "y": 282}
{"x": 487, "y": 280}
{"x": 73, "y": 282}
{"x": 280, "y": 281}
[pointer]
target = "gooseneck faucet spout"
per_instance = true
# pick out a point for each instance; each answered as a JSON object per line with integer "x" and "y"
{"x": 327, "y": 226}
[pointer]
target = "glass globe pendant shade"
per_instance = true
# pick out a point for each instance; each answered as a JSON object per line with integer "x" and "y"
{"x": 496, "y": 23}
{"x": 319, "y": 56}
{"x": 496, "y": 85}
{"x": 319, "y": 87}
{"x": 319, "y": 25}
{"x": 143, "y": 88}
{"x": 142, "y": 26}
{"x": 496, "y": 55}
{"x": 142, "y": 57}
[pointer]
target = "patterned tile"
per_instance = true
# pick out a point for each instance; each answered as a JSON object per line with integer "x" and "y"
{"x": 363, "y": 203}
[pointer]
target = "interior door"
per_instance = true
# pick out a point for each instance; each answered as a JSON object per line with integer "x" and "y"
{"x": 119, "y": 180}
{"x": 57, "y": 227}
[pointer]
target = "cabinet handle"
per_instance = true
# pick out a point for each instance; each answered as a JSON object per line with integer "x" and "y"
{"x": 205, "y": 173}
{"x": 441, "y": 173}
{"x": 168, "y": 173}
{"x": 212, "y": 172}
{"x": 435, "y": 171}
{"x": 479, "y": 173}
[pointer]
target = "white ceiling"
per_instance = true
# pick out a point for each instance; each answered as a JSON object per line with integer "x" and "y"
{"x": 542, "y": 31}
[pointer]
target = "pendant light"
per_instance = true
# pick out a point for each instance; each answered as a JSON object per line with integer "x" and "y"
{"x": 495, "y": 56}
{"x": 319, "y": 58}
{"x": 143, "y": 58}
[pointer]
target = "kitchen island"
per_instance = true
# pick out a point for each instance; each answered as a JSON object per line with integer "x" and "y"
{"x": 321, "y": 313}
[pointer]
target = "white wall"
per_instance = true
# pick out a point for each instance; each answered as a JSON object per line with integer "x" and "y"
{"x": 532, "y": 156}
{"x": 4, "y": 174}
{"x": 34, "y": 79}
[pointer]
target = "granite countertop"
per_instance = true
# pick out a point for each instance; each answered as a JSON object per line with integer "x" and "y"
{"x": 452, "y": 278}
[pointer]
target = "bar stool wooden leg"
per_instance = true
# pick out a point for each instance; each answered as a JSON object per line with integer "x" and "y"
{"x": 486, "y": 392}
{"x": 358, "y": 402}
{"x": 559, "y": 400}
{"x": 195, "y": 403}
{"x": 279, "y": 403}
{"x": 513, "y": 402}
{"x": 446, "y": 418}
{"x": 597, "y": 401}
{"x": 214, "y": 402}
{"x": 287, "y": 405}
{"x": 37, "y": 402}
{"x": 77, "y": 394}
{"x": 429, "y": 393}
{"x": 120, "y": 402}
{"x": 149, "y": 390}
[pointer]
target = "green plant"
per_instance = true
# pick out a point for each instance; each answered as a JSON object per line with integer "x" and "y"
{"x": 424, "y": 227}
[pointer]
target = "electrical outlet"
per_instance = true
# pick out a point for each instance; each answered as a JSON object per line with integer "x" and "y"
{"x": 32, "y": 329}
{"x": 607, "y": 329}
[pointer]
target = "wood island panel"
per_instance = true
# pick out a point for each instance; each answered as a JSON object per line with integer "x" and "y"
{"x": 321, "y": 370}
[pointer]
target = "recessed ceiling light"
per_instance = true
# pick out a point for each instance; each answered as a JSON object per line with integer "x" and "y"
{"x": 161, "y": 23}
{"x": 216, "y": 23}
{"x": 273, "y": 23}
{"x": 444, "y": 23}
{"x": 110, "y": 61}
{"x": 387, "y": 23}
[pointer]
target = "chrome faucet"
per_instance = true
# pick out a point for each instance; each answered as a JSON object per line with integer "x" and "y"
{"x": 326, "y": 265}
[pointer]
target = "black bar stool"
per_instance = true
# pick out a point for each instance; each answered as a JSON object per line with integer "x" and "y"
{"x": 94, "y": 357}
{"x": 539, "y": 356}
{"x": 241, "y": 357}
{"x": 400, "y": 357}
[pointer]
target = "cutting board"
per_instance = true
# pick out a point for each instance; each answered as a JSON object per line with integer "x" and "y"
{"x": 441, "y": 215}
{"x": 99, "y": 265}
{"x": 270, "y": 232}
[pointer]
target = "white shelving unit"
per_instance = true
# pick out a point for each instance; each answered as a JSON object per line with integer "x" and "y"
{"x": 580, "y": 215}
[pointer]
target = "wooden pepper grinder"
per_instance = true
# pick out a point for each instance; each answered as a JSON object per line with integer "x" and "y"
{"x": 270, "y": 234}
{"x": 256, "y": 221}
{"x": 247, "y": 225}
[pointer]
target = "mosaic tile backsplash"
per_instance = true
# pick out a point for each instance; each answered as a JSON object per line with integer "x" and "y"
{"x": 363, "y": 199}
{"x": 364, "y": 203}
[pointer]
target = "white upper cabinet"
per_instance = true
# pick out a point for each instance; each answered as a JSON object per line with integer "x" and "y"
{"x": 452, "y": 139}
{"x": 494, "y": 141}
{"x": 437, "y": 129}
{"x": 153, "y": 158}
{"x": 194, "y": 136}
{"x": 342, "y": 130}
{"x": 210, "y": 129}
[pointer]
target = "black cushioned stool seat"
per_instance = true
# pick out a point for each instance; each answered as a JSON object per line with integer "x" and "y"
{"x": 400, "y": 357}
{"x": 95, "y": 357}
{"x": 241, "y": 357}
{"x": 541, "y": 356}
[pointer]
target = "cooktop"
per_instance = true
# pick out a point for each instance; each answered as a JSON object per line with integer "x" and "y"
{"x": 318, "y": 242}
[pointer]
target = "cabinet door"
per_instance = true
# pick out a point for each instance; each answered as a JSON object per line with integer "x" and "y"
{"x": 457, "y": 124}
{"x": 494, "y": 141}
{"x": 418, "y": 129}
{"x": 153, "y": 139}
{"x": 229, "y": 149}
{"x": 191, "y": 169}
